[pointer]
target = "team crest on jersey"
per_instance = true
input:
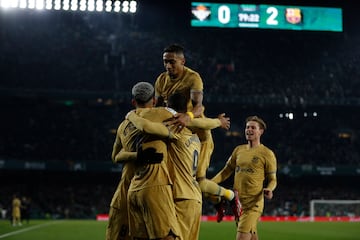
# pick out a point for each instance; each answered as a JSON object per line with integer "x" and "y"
{"x": 255, "y": 159}
{"x": 293, "y": 15}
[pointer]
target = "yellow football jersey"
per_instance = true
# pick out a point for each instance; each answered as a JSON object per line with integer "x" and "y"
{"x": 251, "y": 166}
{"x": 148, "y": 175}
{"x": 164, "y": 86}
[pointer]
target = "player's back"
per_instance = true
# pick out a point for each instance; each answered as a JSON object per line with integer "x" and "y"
{"x": 183, "y": 159}
{"x": 147, "y": 175}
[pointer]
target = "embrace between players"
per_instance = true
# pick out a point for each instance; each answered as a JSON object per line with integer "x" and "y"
{"x": 166, "y": 151}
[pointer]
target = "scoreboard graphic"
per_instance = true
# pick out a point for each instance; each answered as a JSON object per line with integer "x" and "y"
{"x": 225, "y": 15}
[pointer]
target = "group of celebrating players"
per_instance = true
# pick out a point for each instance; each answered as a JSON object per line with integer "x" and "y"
{"x": 165, "y": 145}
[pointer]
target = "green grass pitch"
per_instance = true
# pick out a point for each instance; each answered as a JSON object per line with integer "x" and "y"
{"x": 95, "y": 230}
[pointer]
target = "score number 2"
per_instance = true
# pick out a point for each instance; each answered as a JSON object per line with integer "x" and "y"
{"x": 273, "y": 13}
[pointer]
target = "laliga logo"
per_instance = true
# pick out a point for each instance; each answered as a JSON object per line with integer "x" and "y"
{"x": 201, "y": 12}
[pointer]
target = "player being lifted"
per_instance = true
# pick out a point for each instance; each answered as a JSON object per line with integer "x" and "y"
{"x": 181, "y": 79}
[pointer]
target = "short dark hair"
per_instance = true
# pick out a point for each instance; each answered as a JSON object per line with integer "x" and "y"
{"x": 175, "y": 48}
{"x": 177, "y": 101}
{"x": 258, "y": 120}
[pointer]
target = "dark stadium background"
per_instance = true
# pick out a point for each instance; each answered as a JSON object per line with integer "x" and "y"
{"x": 65, "y": 80}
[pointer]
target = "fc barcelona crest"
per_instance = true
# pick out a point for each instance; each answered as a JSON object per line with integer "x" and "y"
{"x": 293, "y": 15}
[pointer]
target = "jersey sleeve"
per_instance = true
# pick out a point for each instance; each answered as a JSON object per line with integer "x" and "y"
{"x": 197, "y": 85}
{"x": 205, "y": 123}
{"x": 271, "y": 168}
{"x": 149, "y": 127}
{"x": 227, "y": 170}
{"x": 124, "y": 156}
{"x": 157, "y": 85}
{"x": 117, "y": 146}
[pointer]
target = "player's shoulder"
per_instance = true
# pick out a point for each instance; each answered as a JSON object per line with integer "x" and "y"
{"x": 166, "y": 111}
{"x": 191, "y": 71}
{"x": 161, "y": 78}
{"x": 123, "y": 124}
{"x": 157, "y": 113}
{"x": 241, "y": 147}
{"x": 194, "y": 78}
{"x": 266, "y": 150}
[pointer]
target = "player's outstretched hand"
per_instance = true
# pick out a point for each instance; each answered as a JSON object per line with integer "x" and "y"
{"x": 148, "y": 156}
{"x": 225, "y": 121}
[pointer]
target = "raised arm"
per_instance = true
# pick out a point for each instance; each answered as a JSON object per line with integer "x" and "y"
{"x": 154, "y": 128}
{"x": 227, "y": 170}
{"x": 211, "y": 123}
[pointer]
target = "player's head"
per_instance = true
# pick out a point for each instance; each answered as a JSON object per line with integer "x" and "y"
{"x": 262, "y": 124}
{"x": 143, "y": 94}
{"x": 254, "y": 128}
{"x": 174, "y": 60}
{"x": 177, "y": 101}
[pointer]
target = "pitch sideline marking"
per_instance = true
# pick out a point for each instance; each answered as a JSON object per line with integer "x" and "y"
{"x": 27, "y": 229}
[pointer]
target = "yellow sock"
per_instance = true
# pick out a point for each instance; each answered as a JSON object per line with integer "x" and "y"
{"x": 229, "y": 194}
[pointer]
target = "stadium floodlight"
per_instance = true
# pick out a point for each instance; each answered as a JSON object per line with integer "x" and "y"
{"x": 117, "y": 6}
{"x": 82, "y": 5}
{"x": 39, "y": 4}
{"x": 74, "y": 5}
{"x": 5, "y": 3}
{"x": 126, "y": 6}
{"x": 14, "y": 4}
{"x": 57, "y": 5}
{"x": 99, "y": 5}
{"x": 133, "y": 7}
{"x": 66, "y": 5}
{"x": 91, "y": 5}
{"x": 108, "y": 6}
{"x": 31, "y": 4}
{"x": 48, "y": 4}
{"x": 23, "y": 4}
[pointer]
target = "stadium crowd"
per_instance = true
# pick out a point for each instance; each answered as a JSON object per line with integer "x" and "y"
{"x": 65, "y": 90}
